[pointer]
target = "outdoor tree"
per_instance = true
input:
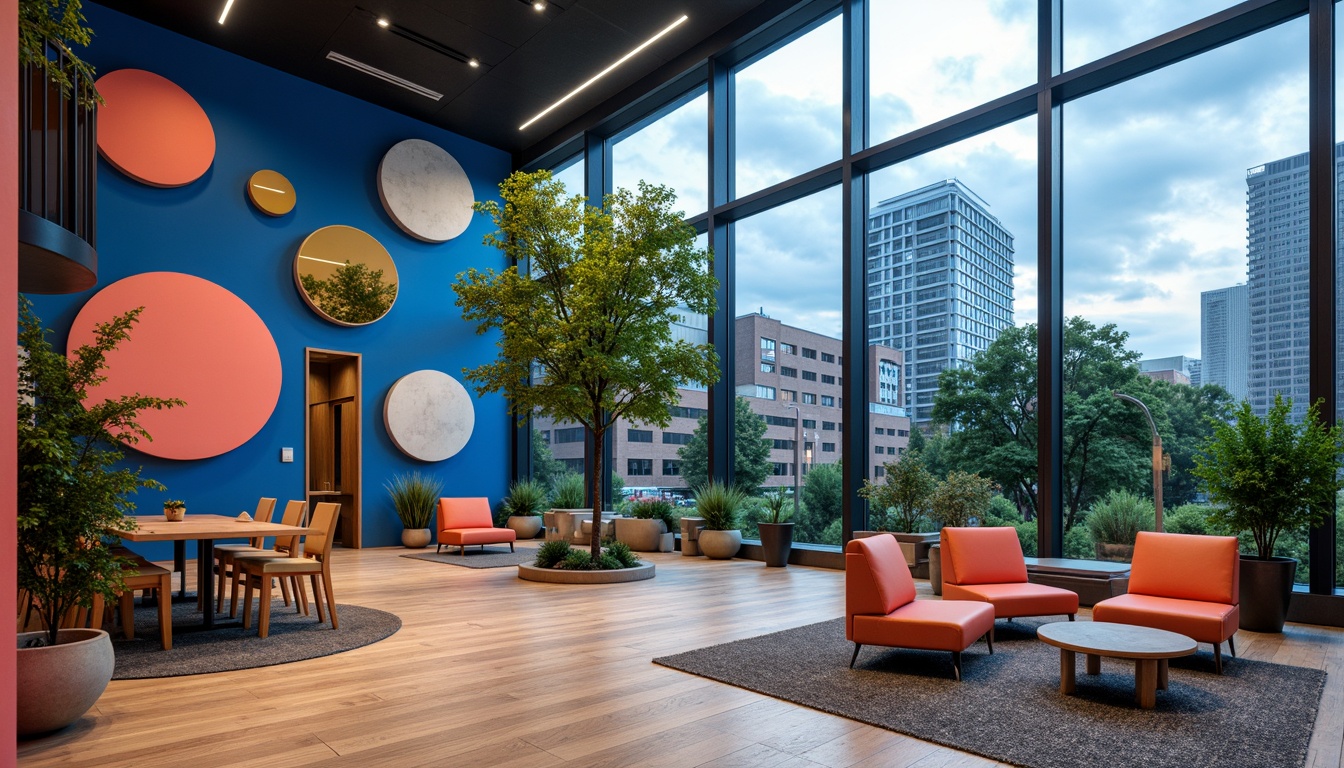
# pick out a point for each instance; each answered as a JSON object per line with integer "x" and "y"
{"x": 585, "y": 313}
{"x": 353, "y": 294}
{"x": 917, "y": 441}
{"x": 1191, "y": 411}
{"x": 898, "y": 502}
{"x": 751, "y": 450}
{"x": 545, "y": 467}
{"x": 822, "y": 498}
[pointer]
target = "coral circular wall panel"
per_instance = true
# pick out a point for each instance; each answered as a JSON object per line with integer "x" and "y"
{"x": 425, "y": 191}
{"x": 152, "y": 130}
{"x": 429, "y": 415}
{"x": 195, "y": 341}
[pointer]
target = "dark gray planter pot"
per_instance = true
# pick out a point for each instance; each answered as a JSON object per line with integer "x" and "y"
{"x": 1266, "y": 588}
{"x": 776, "y": 541}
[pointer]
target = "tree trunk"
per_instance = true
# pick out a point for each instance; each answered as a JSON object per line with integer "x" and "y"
{"x": 597, "y": 494}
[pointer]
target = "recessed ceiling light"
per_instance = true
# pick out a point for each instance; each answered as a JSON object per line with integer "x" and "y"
{"x": 599, "y": 75}
{"x": 383, "y": 23}
{"x": 540, "y": 6}
{"x": 473, "y": 63}
{"x": 227, "y": 5}
{"x": 373, "y": 71}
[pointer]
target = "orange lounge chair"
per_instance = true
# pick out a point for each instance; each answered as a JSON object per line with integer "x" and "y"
{"x": 464, "y": 522}
{"x": 1184, "y": 584}
{"x": 986, "y": 564}
{"x": 880, "y": 606}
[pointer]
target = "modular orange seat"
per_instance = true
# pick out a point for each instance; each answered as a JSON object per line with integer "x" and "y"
{"x": 1184, "y": 584}
{"x": 465, "y": 522}
{"x": 880, "y": 606}
{"x": 986, "y": 564}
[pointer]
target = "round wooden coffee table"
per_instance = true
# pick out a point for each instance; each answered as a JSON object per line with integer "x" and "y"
{"x": 1150, "y": 649}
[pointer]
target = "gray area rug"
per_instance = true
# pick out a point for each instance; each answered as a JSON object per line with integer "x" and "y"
{"x": 1008, "y": 707}
{"x": 292, "y": 637}
{"x": 490, "y": 557}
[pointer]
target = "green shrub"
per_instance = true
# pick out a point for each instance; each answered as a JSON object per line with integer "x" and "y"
{"x": 577, "y": 560}
{"x": 608, "y": 562}
{"x": 1187, "y": 518}
{"x": 527, "y": 498}
{"x": 961, "y": 497}
{"x": 1026, "y": 536}
{"x": 623, "y": 554}
{"x": 569, "y": 492}
{"x": 719, "y": 505}
{"x": 1078, "y": 543}
{"x": 654, "y": 509}
{"x": 1118, "y": 518}
{"x": 1002, "y": 512}
{"x": 550, "y": 553}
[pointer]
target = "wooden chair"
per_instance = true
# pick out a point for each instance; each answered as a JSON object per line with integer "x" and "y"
{"x": 259, "y": 570}
{"x": 147, "y": 576}
{"x": 224, "y": 552}
{"x": 293, "y": 515}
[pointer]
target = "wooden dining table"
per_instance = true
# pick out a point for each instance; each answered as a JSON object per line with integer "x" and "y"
{"x": 204, "y": 530}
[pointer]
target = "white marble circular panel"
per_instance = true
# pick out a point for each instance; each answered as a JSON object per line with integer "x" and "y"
{"x": 425, "y": 191}
{"x": 429, "y": 415}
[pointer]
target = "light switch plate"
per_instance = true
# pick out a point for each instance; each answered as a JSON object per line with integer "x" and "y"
{"x": 286, "y": 455}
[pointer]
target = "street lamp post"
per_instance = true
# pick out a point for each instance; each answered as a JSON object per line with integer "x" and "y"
{"x": 1157, "y": 457}
{"x": 797, "y": 452}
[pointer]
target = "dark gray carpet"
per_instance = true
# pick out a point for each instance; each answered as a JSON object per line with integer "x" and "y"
{"x": 1008, "y": 707}
{"x": 491, "y": 557}
{"x": 292, "y": 637}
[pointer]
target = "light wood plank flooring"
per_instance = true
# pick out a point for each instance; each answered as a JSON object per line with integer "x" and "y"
{"x": 491, "y": 671}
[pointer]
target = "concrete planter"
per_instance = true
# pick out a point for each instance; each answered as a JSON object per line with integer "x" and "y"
{"x": 640, "y": 535}
{"x": 720, "y": 545}
{"x": 526, "y": 526}
{"x": 936, "y": 568}
{"x": 557, "y": 576}
{"x": 560, "y": 523}
{"x": 690, "y": 536}
{"x": 57, "y": 684}
{"x": 416, "y": 538}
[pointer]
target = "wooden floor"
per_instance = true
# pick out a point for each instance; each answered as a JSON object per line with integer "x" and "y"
{"x": 491, "y": 671}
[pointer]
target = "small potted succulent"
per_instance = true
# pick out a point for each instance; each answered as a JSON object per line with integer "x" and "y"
{"x": 776, "y": 530}
{"x": 648, "y": 521}
{"x": 414, "y": 497}
{"x": 174, "y": 510}
{"x": 523, "y": 507}
{"x": 720, "y": 506}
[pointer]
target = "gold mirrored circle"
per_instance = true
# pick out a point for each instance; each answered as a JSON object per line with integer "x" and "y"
{"x": 271, "y": 193}
{"x": 345, "y": 275}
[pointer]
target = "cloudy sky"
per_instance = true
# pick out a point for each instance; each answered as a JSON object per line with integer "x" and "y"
{"x": 1154, "y": 169}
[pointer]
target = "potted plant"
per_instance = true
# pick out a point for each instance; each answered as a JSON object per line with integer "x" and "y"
{"x": 566, "y": 506}
{"x": 1267, "y": 476}
{"x": 897, "y": 506}
{"x": 648, "y": 521}
{"x": 174, "y": 510}
{"x": 776, "y": 530}
{"x": 72, "y": 497}
{"x": 960, "y": 500}
{"x": 523, "y": 506}
{"x": 720, "y": 506}
{"x": 585, "y": 315}
{"x": 414, "y": 497}
{"x": 1115, "y": 522}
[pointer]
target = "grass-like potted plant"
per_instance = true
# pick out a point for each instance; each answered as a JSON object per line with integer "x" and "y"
{"x": 958, "y": 501}
{"x": 648, "y": 520}
{"x": 72, "y": 499}
{"x": 585, "y": 315}
{"x": 1264, "y": 477}
{"x": 566, "y": 507}
{"x": 415, "y": 497}
{"x": 720, "y": 505}
{"x": 776, "y": 530}
{"x": 523, "y": 507}
{"x": 174, "y": 510}
{"x": 1114, "y": 523}
{"x": 898, "y": 504}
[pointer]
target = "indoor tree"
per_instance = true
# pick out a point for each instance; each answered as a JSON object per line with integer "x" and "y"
{"x": 586, "y": 310}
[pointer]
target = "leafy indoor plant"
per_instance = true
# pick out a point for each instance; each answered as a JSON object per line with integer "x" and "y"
{"x": 174, "y": 509}
{"x": 776, "y": 530}
{"x": 586, "y": 314}
{"x": 1267, "y": 476}
{"x": 415, "y": 497}
{"x": 720, "y": 506}
{"x": 523, "y": 507}
{"x": 566, "y": 506}
{"x": 72, "y": 496}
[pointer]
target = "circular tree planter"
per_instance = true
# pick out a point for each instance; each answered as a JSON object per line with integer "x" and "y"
{"x": 57, "y": 684}
{"x": 558, "y": 576}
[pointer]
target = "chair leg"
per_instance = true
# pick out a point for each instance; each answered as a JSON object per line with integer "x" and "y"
{"x": 1218, "y": 658}
{"x": 166, "y": 611}
{"x": 855, "y": 657}
{"x": 264, "y": 617}
{"x": 224, "y": 562}
{"x": 331, "y": 599}
{"x": 439, "y": 551}
{"x": 956, "y": 665}
{"x": 510, "y": 546}
{"x": 1232, "y": 645}
{"x": 238, "y": 577}
{"x": 1071, "y": 617}
{"x": 317, "y": 597}
{"x": 989, "y": 640}
{"x": 127, "y": 604}
{"x": 284, "y": 589}
{"x": 300, "y": 597}
{"x": 247, "y": 600}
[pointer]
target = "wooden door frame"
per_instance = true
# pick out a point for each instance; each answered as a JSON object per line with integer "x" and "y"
{"x": 357, "y": 515}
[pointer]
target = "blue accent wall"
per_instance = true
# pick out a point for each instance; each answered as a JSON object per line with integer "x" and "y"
{"x": 328, "y": 145}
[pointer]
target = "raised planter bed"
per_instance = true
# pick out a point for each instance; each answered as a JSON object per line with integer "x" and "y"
{"x": 554, "y": 576}
{"x": 1093, "y": 580}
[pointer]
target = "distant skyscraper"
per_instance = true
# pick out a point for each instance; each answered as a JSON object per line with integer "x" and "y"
{"x": 1161, "y": 367}
{"x": 940, "y": 283}
{"x": 1225, "y": 338}
{"x": 1276, "y": 237}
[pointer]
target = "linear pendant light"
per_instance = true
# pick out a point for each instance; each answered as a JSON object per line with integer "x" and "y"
{"x": 599, "y": 75}
{"x": 373, "y": 71}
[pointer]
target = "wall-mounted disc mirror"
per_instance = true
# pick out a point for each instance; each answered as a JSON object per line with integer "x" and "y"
{"x": 345, "y": 275}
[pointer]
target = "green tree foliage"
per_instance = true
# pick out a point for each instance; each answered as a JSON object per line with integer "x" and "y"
{"x": 993, "y": 405}
{"x": 901, "y": 499}
{"x": 821, "y": 502}
{"x": 545, "y": 467}
{"x": 353, "y": 294}
{"x": 1268, "y": 476}
{"x": 962, "y": 496}
{"x": 917, "y": 440}
{"x": 751, "y": 451}
{"x": 1190, "y": 411}
{"x": 70, "y": 492}
{"x": 1119, "y": 516}
{"x": 588, "y": 304}
{"x": 63, "y": 23}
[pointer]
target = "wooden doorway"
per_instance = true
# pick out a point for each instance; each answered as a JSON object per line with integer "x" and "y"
{"x": 332, "y": 440}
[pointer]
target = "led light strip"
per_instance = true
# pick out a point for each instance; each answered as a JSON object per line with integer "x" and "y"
{"x": 599, "y": 75}
{"x": 385, "y": 76}
{"x": 225, "y": 14}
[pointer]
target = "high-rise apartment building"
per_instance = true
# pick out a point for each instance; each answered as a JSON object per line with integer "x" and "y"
{"x": 1277, "y": 228}
{"x": 940, "y": 283}
{"x": 1177, "y": 369}
{"x": 1225, "y": 338}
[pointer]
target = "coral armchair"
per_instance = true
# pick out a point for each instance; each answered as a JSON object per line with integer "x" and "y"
{"x": 880, "y": 606}
{"x": 986, "y": 564}
{"x": 465, "y": 522}
{"x": 1184, "y": 584}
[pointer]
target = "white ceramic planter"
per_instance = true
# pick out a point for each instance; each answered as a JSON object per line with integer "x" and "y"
{"x": 526, "y": 526}
{"x": 640, "y": 535}
{"x": 720, "y": 545}
{"x": 416, "y": 538}
{"x": 57, "y": 684}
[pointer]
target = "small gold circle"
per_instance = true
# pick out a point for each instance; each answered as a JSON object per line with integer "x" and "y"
{"x": 271, "y": 193}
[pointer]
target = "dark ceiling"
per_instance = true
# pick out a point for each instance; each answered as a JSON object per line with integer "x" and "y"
{"x": 528, "y": 59}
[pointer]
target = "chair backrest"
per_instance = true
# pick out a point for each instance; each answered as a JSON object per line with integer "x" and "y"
{"x": 982, "y": 556}
{"x": 457, "y": 513}
{"x": 293, "y": 515}
{"x": 265, "y": 508}
{"x": 321, "y": 529}
{"x": 877, "y": 580}
{"x": 1187, "y": 567}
